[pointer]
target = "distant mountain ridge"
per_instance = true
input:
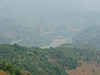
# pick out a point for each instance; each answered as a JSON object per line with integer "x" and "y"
{"x": 91, "y": 34}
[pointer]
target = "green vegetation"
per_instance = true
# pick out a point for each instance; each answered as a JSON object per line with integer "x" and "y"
{"x": 46, "y": 61}
{"x": 9, "y": 69}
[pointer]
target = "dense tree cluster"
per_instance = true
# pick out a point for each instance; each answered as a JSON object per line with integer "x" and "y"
{"x": 9, "y": 69}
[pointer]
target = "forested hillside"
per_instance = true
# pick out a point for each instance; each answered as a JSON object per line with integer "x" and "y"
{"x": 46, "y": 61}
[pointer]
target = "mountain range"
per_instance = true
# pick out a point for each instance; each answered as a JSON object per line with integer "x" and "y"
{"x": 51, "y": 15}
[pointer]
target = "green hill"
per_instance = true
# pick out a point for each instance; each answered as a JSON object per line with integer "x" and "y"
{"x": 46, "y": 61}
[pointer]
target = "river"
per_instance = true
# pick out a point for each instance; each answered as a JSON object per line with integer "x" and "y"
{"x": 57, "y": 42}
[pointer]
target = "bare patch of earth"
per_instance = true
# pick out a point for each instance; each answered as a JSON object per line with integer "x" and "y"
{"x": 3, "y": 73}
{"x": 86, "y": 68}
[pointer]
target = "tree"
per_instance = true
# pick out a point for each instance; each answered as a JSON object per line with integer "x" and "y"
{"x": 3, "y": 64}
{"x": 93, "y": 70}
{"x": 18, "y": 72}
{"x": 80, "y": 64}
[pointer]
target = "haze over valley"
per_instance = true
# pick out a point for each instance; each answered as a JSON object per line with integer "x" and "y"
{"x": 47, "y": 17}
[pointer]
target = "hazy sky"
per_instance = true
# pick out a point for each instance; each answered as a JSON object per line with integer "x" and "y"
{"x": 28, "y": 8}
{"x": 89, "y": 4}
